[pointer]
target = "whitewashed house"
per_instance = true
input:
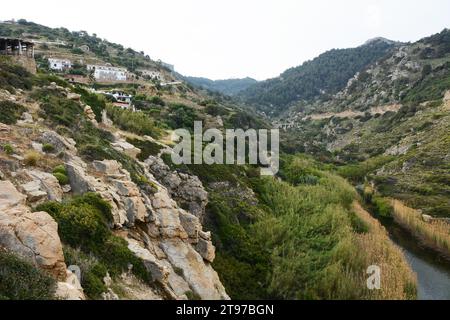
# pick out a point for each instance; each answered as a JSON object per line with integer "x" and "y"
{"x": 108, "y": 73}
{"x": 152, "y": 74}
{"x": 59, "y": 64}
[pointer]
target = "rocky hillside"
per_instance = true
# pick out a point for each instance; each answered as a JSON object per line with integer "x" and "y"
{"x": 111, "y": 217}
{"x": 87, "y": 186}
{"x": 389, "y": 125}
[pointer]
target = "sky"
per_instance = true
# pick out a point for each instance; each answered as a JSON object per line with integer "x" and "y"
{"x": 221, "y": 39}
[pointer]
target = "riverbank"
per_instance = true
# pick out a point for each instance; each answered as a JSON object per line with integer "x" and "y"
{"x": 433, "y": 234}
{"x": 398, "y": 281}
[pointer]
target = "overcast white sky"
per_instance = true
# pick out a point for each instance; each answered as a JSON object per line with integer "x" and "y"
{"x": 238, "y": 38}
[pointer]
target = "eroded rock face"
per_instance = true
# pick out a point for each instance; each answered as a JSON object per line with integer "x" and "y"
{"x": 113, "y": 184}
{"x": 70, "y": 289}
{"x": 31, "y": 235}
{"x": 125, "y": 147}
{"x": 201, "y": 277}
{"x": 43, "y": 186}
{"x": 187, "y": 190}
{"x": 60, "y": 143}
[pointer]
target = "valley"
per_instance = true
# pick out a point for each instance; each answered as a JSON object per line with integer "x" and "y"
{"x": 86, "y": 138}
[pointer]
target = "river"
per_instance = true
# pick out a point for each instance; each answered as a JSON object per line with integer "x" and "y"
{"x": 433, "y": 272}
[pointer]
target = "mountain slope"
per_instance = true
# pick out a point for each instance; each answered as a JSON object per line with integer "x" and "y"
{"x": 324, "y": 75}
{"x": 388, "y": 126}
{"x": 117, "y": 207}
{"x": 229, "y": 87}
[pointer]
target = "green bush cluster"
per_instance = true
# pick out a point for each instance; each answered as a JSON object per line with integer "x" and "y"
{"x": 95, "y": 101}
{"x": 359, "y": 171}
{"x": 83, "y": 223}
{"x": 8, "y": 149}
{"x": 10, "y": 112}
{"x": 148, "y": 148}
{"x": 20, "y": 280}
{"x": 60, "y": 173}
{"x": 181, "y": 116}
{"x": 13, "y": 76}
{"x": 48, "y": 148}
{"x": 57, "y": 109}
{"x": 136, "y": 122}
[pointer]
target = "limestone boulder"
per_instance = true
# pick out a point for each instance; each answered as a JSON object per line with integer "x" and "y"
{"x": 107, "y": 166}
{"x": 31, "y": 235}
{"x": 125, "y": 147}
{"x": 80, "y": 181}
{"x": 70, "y": 289}
{"x": 9, "y": 196}
{"x": 191, "y": 224}
{"x": 206, "y": 250}
{"x": 157, "y": 271}
{"x": 186, "y": 189}
{"x": 59, "y": 142}
{"x": 200, "y": 276}
{"x": 43, "y": 182}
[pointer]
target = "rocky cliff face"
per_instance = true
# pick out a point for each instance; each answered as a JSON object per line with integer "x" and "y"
{"x": 161, "y": 221}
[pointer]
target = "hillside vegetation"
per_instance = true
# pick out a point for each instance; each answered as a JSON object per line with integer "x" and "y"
{"x": 229, "y": 87}
{"x": 300, "y": 235}
{"x": 302, "y": 238}
{"x": 323, "y": 76}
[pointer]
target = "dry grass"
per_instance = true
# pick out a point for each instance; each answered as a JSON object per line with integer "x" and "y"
{"x": 435, "y": 234}
{"x": 32, "y": 158}
{"x": 398, "y": 282}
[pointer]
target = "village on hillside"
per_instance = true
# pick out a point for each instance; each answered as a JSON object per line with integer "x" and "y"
{"x": 78, "y": 65}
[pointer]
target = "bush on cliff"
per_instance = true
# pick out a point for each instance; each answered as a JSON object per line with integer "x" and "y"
{"x": 20, "y": 280}
{"x": 84, "y": 223}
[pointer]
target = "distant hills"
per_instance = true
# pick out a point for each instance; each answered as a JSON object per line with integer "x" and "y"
{"x": 229, "y": 87}
{"x": 325, "y": 75}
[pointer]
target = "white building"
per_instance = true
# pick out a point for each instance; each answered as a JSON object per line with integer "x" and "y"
{"x": 108, "y": 73}
{"x": 121, "y": 96}
{"x": 152, "y": 74}
{"x": 59, "y": 64}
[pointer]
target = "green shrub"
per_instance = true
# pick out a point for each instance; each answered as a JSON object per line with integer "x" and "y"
{"x": 48, "y": 148}
{"x": 92, "y": 271}
{"x": 382, "y": 206}
{"x": 20, "y": 280}
{"x": 181, "y": 116}
{"x": 13, "y": 76}
{"x": 148, "y": 148}
{"x": 84, "y": 223}
{"x": 157, "y": 100}
{"x": 45, "y": 79}
{"x": 95, "y": 101}
{"x": 8, "y": 149}
{"x": 10, "y": 112}
{"x": 62, "y": 178}
{"x": 60, "y": 169}
{"x": 136, "y": 122}
{"x": 57, "y": 109}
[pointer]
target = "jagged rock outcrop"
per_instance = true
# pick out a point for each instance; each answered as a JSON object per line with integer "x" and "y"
{"x": 58, "y": 142}
{"x": 90, "y": 115}
{"x": 40, "y": 186}
{"x": 125, "y": 147}
{"x": 114, "y": 185}
{"x": 31, "y": 235}
{"x": 187, "y": 190}
{"x": 176, "y": 251}
{"x": 70, "y": 289}
{"x": 170, "y": 240}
